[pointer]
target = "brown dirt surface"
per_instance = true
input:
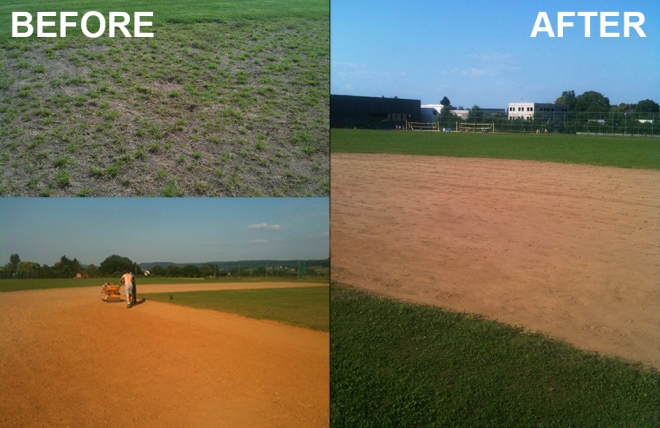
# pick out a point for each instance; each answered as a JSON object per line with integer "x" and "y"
{"x": 170, "y": 288}
{"x": 68, "y": 359}
{"x": 571, "y": 251}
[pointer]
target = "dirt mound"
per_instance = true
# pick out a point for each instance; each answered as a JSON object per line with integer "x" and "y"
{"x": 68, "y": 359}
{"x": 570, "y": 250}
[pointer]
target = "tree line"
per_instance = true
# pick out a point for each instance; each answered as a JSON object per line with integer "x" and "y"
{"x": 595, "y": 102}
{"x": 588, "y": 102}
{"x": 588, "y": 112}
{"x": 66, "y": 268}
{"x": 115, "y": 266}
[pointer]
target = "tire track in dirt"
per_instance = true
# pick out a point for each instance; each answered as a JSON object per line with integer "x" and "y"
{"x": 570, "y": 250}
{"x": 68, "y": 359}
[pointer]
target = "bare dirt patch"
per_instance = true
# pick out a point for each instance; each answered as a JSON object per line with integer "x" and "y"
{"x": 572, "y": 251}
{"x": 68, "y": 359}
{"x": 167, "y": 288}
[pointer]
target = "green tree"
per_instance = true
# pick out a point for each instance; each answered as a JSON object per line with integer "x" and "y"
{"x": 592, "y": 101}
{"x": 622, "y": 108}
{"x": 158, "y": 270}
{"x": 114, "y": 265}
{"x": 476, "y": 114}
{"x": 173, "y": 271}
{"x": 260, "y": 271}
{"x": 28, "y": 269}
{"x": 14, "y": 259}
{"x": 207, "y": 270}
{"x": 92, "y": 271}
{"x": 568, "y": 98}
{"x": 46, "y": 272}
{"x": 66, "y": 268}
{"x": 445, "y": 102}
{"x": 647, "y": 106}
{"x": 7, "y": 271}
{"x": 190, "y": 271}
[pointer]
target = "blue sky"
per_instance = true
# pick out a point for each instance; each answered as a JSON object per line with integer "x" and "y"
{"x": 164, "y": 230}
{"x": 480, "y": 52}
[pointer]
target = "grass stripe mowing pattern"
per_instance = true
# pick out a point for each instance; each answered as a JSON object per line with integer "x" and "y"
{"x": 306, "y": 307}
{"x": 625, "y": 152}
{"x": 397, "y": 364}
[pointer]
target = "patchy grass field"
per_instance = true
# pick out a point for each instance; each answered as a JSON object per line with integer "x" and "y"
{"x": 302, "y": 307}
{"x": 623, "y": 152}
{"x": 399, "y": 364}
{"x": 232, "y": 108}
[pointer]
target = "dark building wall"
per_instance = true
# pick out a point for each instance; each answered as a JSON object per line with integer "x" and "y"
{"x": 348, "y": 111}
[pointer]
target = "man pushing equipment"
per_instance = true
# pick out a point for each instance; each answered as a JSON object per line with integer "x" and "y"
{"x": 128, "y": 281}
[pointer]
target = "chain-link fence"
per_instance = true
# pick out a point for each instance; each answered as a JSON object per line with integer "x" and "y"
{"x": 623, "y": 124}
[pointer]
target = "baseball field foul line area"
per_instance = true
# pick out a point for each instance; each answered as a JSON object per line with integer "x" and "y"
{"x": 68, "y": 359}
{"x": 571, "y": 251}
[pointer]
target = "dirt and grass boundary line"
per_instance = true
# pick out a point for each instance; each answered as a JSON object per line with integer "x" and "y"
{"x": 623, "y": 152}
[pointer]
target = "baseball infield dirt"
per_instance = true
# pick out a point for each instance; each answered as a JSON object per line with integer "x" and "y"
{"x": 68, "y": 359}
{"x": 569, "y": 250}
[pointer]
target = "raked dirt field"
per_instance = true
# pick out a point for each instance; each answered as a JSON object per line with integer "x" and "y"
{"x": 69, "y": 360}
{"x": 569, "y": 250}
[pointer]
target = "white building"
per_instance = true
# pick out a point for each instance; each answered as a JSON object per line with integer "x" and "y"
{"x": 547, "y": 111}
{"x": 460, "y": 112}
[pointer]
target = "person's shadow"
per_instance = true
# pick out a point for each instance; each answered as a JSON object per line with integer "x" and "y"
{"x": 139, "y": 301}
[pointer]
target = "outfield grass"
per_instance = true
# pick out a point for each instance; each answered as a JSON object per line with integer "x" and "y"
{"x": 623, "y": 152}
{"x": 43, "y": 284}
{"x": 227, "y": 99}
{"x": 397, "y": 364}
{"x": 306, "y": 307}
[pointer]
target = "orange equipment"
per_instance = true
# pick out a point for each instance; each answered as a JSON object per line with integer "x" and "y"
{"x": 110, "y": 291}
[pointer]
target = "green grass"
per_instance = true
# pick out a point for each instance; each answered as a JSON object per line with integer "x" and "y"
{"x": 43, "y": 284}
{"x": 397, "y": 364}
{"x": 626, "y": 152}
{"x": 166, "y": 11}
{"x": 306, "y": 307}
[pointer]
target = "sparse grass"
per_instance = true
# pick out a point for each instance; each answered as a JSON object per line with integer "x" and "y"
{"x": 62, "y": 179}
{"x": 219, "y": 87}
{"x": 399, "y": 364}
{"x": 306, "y": 307}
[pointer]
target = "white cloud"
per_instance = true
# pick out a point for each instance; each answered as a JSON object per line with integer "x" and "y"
{"x": 320, "y": 235}
{"x": 265, "y": 226}
{"x": 257, "y": 241}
